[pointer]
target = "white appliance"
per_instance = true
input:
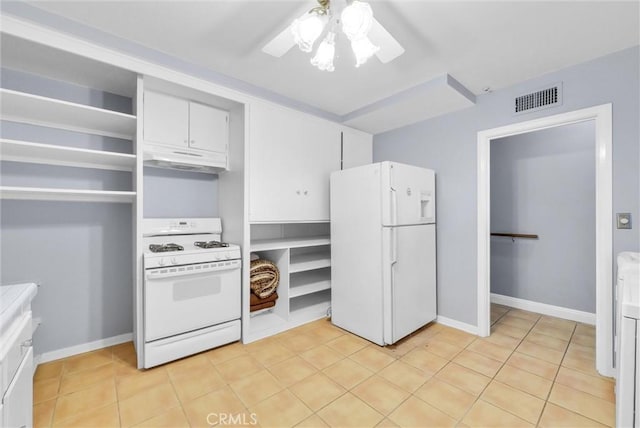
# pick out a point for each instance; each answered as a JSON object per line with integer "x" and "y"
{"x": 192, "y": 288}
{"x": 383, "y": 250}
{"x": 628, "y": 340}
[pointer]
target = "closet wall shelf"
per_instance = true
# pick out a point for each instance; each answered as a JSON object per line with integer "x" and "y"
{"x": 282, "y": 243}
{"x": 43, "y": 111}
{"x": 25, "y": 151}
{"x": 72, "y": 195}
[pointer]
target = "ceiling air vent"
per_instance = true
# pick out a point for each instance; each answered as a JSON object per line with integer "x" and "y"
{"x": 538, "y": 100}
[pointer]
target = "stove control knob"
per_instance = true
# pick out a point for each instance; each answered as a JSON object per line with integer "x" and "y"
{"x": 218, "y": 257}
{"x": 174, "y": 261}
{"x": 161, "y": 262}
{"x": 227, "y": 256}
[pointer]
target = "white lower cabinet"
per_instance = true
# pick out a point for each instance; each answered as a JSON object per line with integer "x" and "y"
{"x": 17, "y": 411}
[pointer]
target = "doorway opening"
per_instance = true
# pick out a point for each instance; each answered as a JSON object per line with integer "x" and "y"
{"x": 600, "y": 117}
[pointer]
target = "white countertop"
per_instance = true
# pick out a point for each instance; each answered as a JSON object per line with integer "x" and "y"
{"x": 629, "y": 274}
{"x": 13, "y": 301}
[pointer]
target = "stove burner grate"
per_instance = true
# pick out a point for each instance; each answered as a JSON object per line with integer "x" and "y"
{"x": 210, "y": 244}
{"x": 163, "y": 248}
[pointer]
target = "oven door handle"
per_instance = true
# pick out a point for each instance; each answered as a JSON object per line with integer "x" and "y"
{"x": 192, "y": 270}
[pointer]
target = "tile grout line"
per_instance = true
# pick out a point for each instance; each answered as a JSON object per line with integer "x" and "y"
{"x": 556, "y": 375}
{"x": 498, "y": 371}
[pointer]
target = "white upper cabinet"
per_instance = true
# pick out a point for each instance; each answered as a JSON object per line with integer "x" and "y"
{"x": 166, "y": 119}
{"x": 179, "y": 122}
{"x": 291, "y": 155}
{"x": 357, "y": 148}
{"x": 208, "y": 128}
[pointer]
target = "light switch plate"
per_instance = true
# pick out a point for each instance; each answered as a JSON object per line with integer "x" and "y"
{"x": 624, "y": 220}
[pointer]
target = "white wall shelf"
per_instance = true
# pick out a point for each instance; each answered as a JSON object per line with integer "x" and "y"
{"x": 71, "y": 195}
{"x": 37, "y": 110}
{"x": 24, "y": 151}
{"x": 282, "y": 243}
{"x": 309, "y": 261}
{"x": 309, "y": 283}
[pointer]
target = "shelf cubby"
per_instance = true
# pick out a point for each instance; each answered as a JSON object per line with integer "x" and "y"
{"x": 309, "y": 282}
{"x": 311, "y": 259}
{"x": 309, "y": 307}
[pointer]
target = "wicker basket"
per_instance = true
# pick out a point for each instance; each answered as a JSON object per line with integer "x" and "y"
{"x": 264, "y": 277}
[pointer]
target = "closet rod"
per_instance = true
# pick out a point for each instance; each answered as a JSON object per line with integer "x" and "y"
{"x": 515, "y": 235}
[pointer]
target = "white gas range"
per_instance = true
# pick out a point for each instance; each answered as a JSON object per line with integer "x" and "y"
{"x": 192, "y": 288}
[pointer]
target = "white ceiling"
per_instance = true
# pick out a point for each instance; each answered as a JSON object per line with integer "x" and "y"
{"x": 480, "y": 44}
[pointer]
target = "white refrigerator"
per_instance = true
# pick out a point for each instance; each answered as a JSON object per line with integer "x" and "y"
{"x": 383, "y": 250}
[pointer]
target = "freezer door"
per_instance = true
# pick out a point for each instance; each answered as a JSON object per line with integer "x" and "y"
{"x": 409, "y": 195}
{"x": 410, "y": 288}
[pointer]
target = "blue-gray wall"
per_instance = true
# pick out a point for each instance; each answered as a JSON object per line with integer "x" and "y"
{"x": 543, "y": 183}
{"x": 175, "y": 194}
{"x": 448, "y": 145}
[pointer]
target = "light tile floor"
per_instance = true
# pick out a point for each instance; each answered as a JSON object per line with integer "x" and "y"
{"x": 532, "y": 370}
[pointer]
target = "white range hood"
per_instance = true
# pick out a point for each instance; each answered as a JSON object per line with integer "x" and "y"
{"x": 213, "y": 163}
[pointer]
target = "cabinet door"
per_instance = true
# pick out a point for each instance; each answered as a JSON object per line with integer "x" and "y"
{"x": 208, "y": 128}
{"x": 18, "y": 399}
{"x": 166, "y": 119}
{"x": 272, "y": 166}
{"x": 290, "y": 158}
{"x": 357, "y": 148}
{"x": 321, "y": 148}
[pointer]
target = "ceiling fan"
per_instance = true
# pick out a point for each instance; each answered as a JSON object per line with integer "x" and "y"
{"x": 366, "y": 35}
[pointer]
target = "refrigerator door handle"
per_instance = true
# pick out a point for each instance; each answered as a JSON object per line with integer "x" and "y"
{"x": 394, "y": 247}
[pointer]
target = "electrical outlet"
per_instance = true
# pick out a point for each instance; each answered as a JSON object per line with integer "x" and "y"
{"x": 624, "y": 220}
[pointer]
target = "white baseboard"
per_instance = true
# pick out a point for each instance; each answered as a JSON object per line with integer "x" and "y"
{"x": 545, "y": 309}
{"x": 457, "y": 324}
{"x": 82, "y": 348}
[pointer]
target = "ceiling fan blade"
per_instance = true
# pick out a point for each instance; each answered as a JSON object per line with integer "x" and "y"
{"x": 280, "y": 44}
{"x": 390, "y": 49}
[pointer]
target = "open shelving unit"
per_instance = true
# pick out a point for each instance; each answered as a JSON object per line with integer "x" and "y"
{"x": 49, "y": 112}
{"x": 304, "y": 291}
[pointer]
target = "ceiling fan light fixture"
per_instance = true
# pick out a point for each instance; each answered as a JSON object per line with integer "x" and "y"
{"x": 363, "y": 49}
{"x": 357, "y": 19}
{"x": 323, "y": 58}
{"x": 307, "y": 29}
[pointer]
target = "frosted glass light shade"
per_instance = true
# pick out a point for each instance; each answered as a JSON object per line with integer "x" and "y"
{"x": 323, "y": 58}
{"x": 357, "y": 19}
{"x": 307, "y": 29}
{"x": 363, "y": 50}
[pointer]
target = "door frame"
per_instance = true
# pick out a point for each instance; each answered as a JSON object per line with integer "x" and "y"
{"x": 602, "y": 115}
